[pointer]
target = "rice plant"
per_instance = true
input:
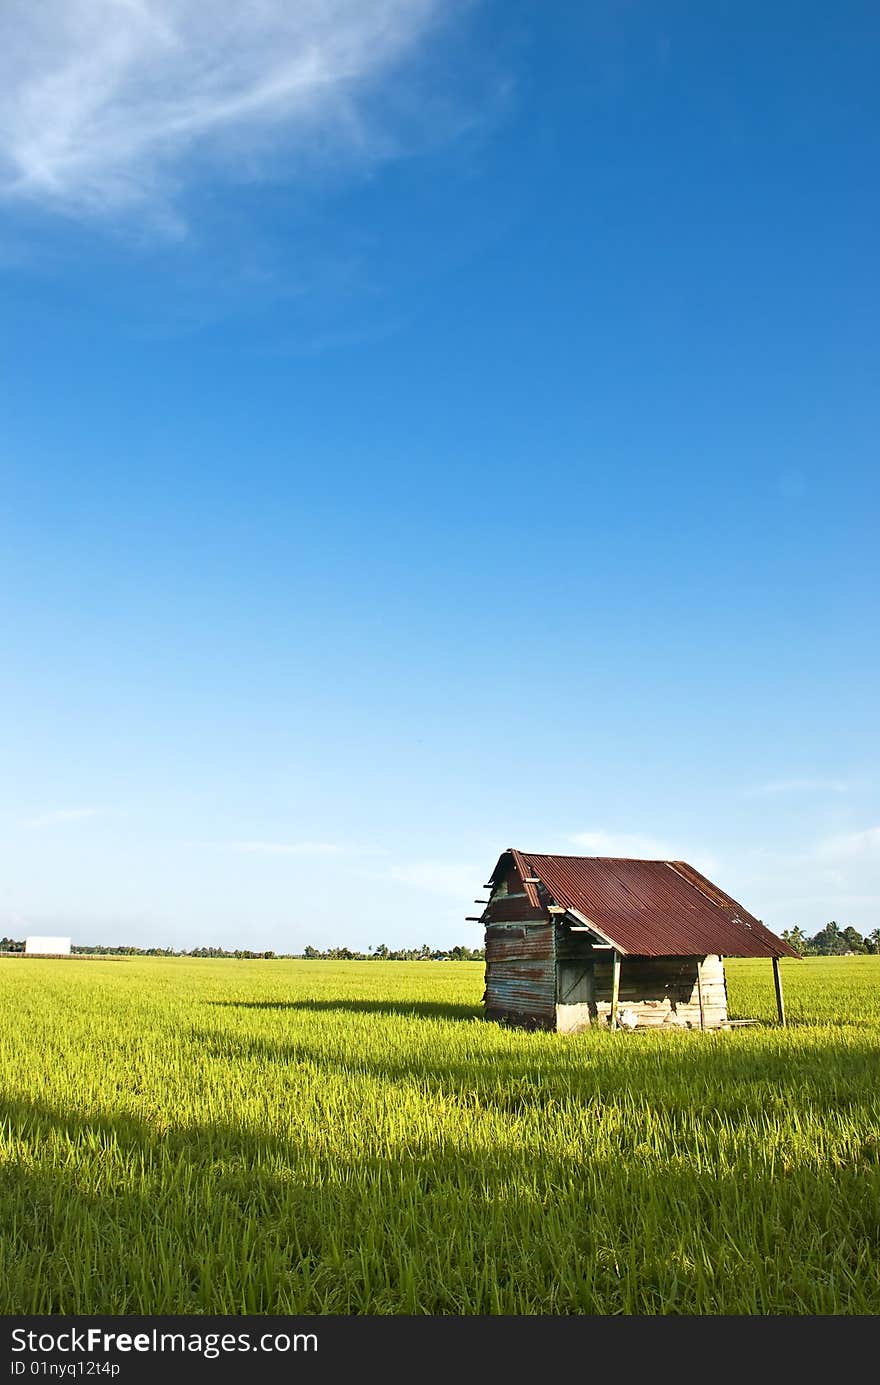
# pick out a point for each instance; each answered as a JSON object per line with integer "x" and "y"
{"x": 182, "y": 1136}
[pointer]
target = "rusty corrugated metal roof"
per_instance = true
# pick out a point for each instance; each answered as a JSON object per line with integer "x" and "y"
{"x": 648, "y": 908}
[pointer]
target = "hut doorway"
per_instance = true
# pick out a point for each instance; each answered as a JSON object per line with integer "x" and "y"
{"x": 575, "y": 995}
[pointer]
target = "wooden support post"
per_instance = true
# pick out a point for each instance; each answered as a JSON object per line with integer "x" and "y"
{"x": 700, "y": 992}
{"x": 615, "y": 988}
{"x": 777, "y": 982}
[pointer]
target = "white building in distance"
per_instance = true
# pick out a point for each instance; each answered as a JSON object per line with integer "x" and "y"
{"x": 47, "y": 947}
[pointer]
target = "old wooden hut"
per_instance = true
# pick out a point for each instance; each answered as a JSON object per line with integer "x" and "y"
{"x": 578, "y": 940}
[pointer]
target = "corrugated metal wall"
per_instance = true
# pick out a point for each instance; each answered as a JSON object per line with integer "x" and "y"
{"x": 521, "y": 974}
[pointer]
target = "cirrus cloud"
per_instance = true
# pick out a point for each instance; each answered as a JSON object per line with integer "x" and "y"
{"x": 60, "y": 817}
{"x": 806, "y": 784}
{"x": 302, "y": 848}
{"x": 455, "y": 879}
{"x": 102, "y": 101}
{"x": 642, "y": 847}
{"x": 863, "y": 845}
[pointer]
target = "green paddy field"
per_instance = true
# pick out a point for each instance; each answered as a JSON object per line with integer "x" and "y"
{"x": 183, "y": 1136}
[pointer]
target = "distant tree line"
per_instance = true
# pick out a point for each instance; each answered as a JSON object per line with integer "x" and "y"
{"x": 832, "y": 941}
{"x": 400, "y": 954}
{"x": 332, "y": 954}
{"x": 17, "y": 945}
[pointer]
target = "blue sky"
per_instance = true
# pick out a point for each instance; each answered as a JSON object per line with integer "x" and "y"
{"x": 428, "y": 428}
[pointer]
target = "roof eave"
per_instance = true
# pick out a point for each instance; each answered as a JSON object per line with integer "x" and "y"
{"x": 588, "y": 923}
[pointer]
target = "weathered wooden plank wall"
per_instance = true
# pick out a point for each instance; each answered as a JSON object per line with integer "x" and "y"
{"x": 663, "y": 990}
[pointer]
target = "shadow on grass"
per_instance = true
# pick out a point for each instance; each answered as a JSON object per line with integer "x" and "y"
{"x": 423, "y": 1009}
{"x": 224, "y": 1218}
{"x": 682, "y": 1076}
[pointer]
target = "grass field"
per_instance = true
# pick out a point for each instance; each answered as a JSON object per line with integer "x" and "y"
{"x": 185, "y": 1136}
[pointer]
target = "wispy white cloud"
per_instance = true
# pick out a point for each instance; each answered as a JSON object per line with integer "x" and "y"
{"x": 454, "y": 879}
{"x": 836, "y": 876}
{"x": 842, "y": 847}
{"x": 805, "y": 784}
{"x": 302, "y": 848}
{"x": 62, "y": 816}
{"x": 601, "y": 843}
{"x": 103, "y": 101}
{"x": 639, "y": 846}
